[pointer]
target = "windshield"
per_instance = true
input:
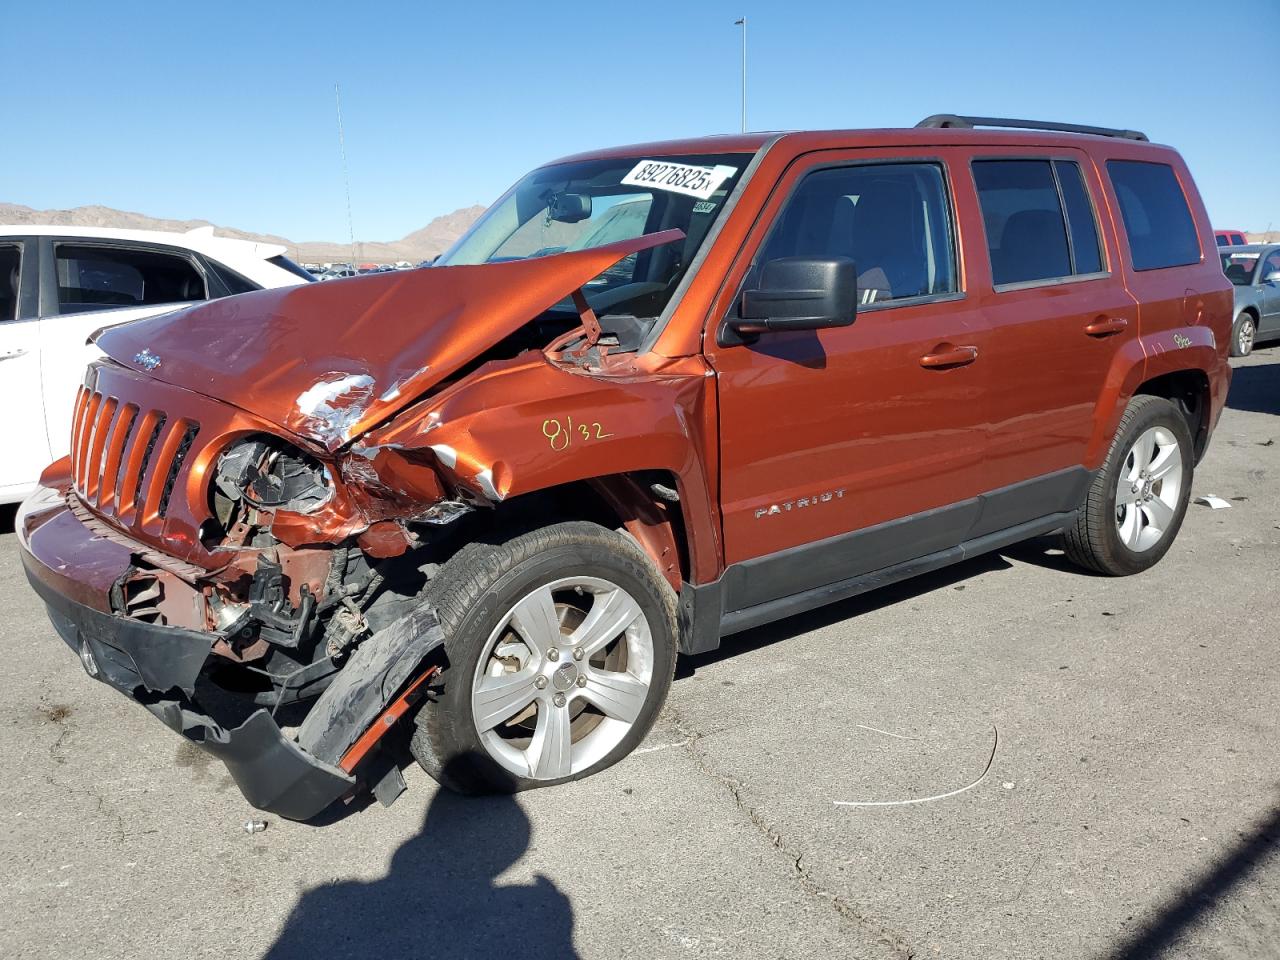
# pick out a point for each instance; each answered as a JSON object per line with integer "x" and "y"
{"x": 576, "y": 206}
{"x": 1239, "y": 267}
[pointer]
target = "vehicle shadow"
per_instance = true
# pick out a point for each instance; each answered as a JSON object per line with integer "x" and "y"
{"x": 1256, "y": 388}
{"x": 8, "y": 516}
{"x": 439, "y": 898}
{"x": 1201, "y": 894}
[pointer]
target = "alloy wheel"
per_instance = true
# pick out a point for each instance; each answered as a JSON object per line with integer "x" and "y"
{"x": 563, "y": 678}
{"x": 1245, "y": 336}
{"x": 1149, "y": 489}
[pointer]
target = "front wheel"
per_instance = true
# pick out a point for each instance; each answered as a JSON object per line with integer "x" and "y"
{"x": 1243, "y": 334}
{"x": 561, "y": 646}
{"x": 1136, "y": 503}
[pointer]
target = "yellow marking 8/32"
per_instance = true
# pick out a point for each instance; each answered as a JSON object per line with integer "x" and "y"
{"x": 560, "y": 435}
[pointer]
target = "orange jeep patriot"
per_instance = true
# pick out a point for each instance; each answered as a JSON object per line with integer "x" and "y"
{"x": 655, "y": 396}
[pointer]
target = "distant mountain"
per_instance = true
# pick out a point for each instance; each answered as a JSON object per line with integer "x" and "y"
{"x": 419, "y": 245}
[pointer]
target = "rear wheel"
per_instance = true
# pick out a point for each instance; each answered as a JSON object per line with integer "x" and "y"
{"x": 1243, "y": 335}
{"x": 561, "y": 646}
{"x": 1136, "y": 503}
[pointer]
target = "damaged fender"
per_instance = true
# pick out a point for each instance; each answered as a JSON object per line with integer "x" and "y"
{"x": 583, "y": 425}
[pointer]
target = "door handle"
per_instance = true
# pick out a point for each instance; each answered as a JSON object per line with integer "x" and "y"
{"x": 12, "y": 354}
{"x": 950, "y": 357}
{"x": 1105, "y": 326}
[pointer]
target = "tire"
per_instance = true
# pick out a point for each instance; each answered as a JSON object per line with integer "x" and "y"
{"x": 1244, "y": 333}
{"x": 1121, "y": 530}
{"x": 518, "y": 621}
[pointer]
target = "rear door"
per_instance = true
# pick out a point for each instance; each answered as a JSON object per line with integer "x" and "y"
{"x": 1166, "y": 269}
{"x": 1270, "y": 322}
{"x": 87, "y": 284}
{"x": 1059, "y": 313}
{"x": 851, "y": 449}
{"x": 25, "y": 444}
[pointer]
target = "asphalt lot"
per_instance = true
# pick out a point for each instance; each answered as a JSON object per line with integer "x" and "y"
{"x": 1132, "y": 807}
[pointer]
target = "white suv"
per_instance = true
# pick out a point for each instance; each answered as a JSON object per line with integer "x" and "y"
{"x": 59, "y": 284}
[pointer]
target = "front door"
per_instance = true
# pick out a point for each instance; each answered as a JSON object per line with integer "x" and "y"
{"x": 26, "y": 446}
{"x": 829, "y": 437}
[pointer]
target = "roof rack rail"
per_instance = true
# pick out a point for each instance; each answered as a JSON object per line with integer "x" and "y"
{"x": 967, "y": 123}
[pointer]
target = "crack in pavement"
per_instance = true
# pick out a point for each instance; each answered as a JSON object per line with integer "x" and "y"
{"x": 690, "y": 742}
{"x": 59, "y": 717}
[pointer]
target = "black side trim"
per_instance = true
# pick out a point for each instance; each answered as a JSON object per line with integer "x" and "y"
{"x": 1060, "y": 492}
{"x": 754, "y": 616}
{"x": 800, "y": 578}
{"x": 700, "y": 613}
{"x": 801, "y": 568}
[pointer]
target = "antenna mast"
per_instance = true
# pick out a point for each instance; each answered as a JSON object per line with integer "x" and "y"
{"x": 346, "y": 178}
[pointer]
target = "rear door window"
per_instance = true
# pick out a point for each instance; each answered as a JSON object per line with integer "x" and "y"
{"x": 1156, "y": 217}
{"x": 1038, "y": 219}
{"x": 892, "y": 220}
{"x": 10, "y": 281}
{"x": 94, "y": 277}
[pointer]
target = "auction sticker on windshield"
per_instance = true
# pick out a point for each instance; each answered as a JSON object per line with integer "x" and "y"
{"x": 700, "y": 182}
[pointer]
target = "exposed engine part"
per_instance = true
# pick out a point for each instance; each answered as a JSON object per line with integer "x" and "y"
{"x": 229, "y": 617}
{"x": 267, "y": 474}
{"x": 443, "y": 512}
{"x": 345, "y": 627}
{"x": 280, "y": 623}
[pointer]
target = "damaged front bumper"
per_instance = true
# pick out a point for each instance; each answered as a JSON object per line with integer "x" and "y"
{"x": 158, "y": 666}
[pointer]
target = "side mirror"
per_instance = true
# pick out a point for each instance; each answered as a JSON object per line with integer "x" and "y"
{"x": 800, "y": 293}
{"x": 570, "y": 207}
{"x": 1272, "y": 277}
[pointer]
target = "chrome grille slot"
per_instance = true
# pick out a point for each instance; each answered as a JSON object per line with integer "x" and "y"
{"x": 113, "y": 458}
{"x": 145, "y": 460}
{"x": 175, "y": 466}
{"x": 88, "y": 417}
{"x": 97, "y": 442}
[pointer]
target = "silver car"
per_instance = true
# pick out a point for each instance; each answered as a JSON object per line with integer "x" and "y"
{"x": 1254, "y": 270}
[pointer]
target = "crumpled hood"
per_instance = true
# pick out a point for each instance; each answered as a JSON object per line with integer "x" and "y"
{"x": 329, "y": 360}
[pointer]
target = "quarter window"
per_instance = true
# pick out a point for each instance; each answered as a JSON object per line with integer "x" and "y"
{"x": 1155, "y": 213}
{"x": 892, "y": 220}
{"x": 10, "y": 274}
{"x": 1038, "y": 220}
{"x": 108, "y": 278}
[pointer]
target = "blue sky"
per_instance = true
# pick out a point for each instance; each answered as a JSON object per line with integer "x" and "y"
{"x": 225, "y": 110}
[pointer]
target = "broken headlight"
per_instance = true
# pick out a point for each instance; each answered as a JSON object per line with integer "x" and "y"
{"x": 264, "y": 473}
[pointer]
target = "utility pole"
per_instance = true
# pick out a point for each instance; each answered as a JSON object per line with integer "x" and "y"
{"x": 742, "y": 22}
{"x": 346, "y": 178}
